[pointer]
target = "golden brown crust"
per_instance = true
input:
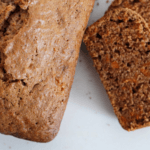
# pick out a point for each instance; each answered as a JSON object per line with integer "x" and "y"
{"x": 39, "y": 48}
{"x": 119, "y": 44}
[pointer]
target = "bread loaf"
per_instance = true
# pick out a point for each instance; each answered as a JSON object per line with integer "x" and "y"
{"x": 39, "y": 48}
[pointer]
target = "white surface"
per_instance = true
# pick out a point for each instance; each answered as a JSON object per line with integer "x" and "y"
{"x": 89, "y": 122}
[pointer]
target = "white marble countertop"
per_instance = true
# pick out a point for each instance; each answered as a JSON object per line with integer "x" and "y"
{"x": 89, "y": 122}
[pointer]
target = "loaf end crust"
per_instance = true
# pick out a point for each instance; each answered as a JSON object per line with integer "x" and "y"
{"x": 142, "y": 7}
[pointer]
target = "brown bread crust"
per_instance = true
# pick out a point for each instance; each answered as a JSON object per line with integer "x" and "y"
{"x": 39, "y": 48}
{"x": 119, "y": 44}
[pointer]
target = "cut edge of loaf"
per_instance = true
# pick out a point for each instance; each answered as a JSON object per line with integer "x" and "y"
{"x": 88, "y": 39}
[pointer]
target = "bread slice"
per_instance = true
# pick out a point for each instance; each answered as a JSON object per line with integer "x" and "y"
{"x": 140, "y": 6}
{"x": 119, "y": 44}
{"x": 39, "y": 48}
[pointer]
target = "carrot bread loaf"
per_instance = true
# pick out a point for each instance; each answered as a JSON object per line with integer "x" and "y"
{"x": 119, "y": 44}
{"x": 140, "y": 6}
{"x": 39, "y": 47}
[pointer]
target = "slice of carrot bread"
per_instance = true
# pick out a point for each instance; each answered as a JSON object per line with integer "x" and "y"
{"x": 119, "y": 44}
{"x": 140, "y": 6}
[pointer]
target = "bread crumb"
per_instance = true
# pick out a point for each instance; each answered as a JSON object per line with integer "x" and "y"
{"x": 107, "y": 1}
{"x": 98, "y": 4}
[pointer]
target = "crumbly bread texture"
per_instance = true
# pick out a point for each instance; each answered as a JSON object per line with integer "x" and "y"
{"x": 119, "y": 44}
{"x": 140, "y": 6}
{"x": 39, "y": 48}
